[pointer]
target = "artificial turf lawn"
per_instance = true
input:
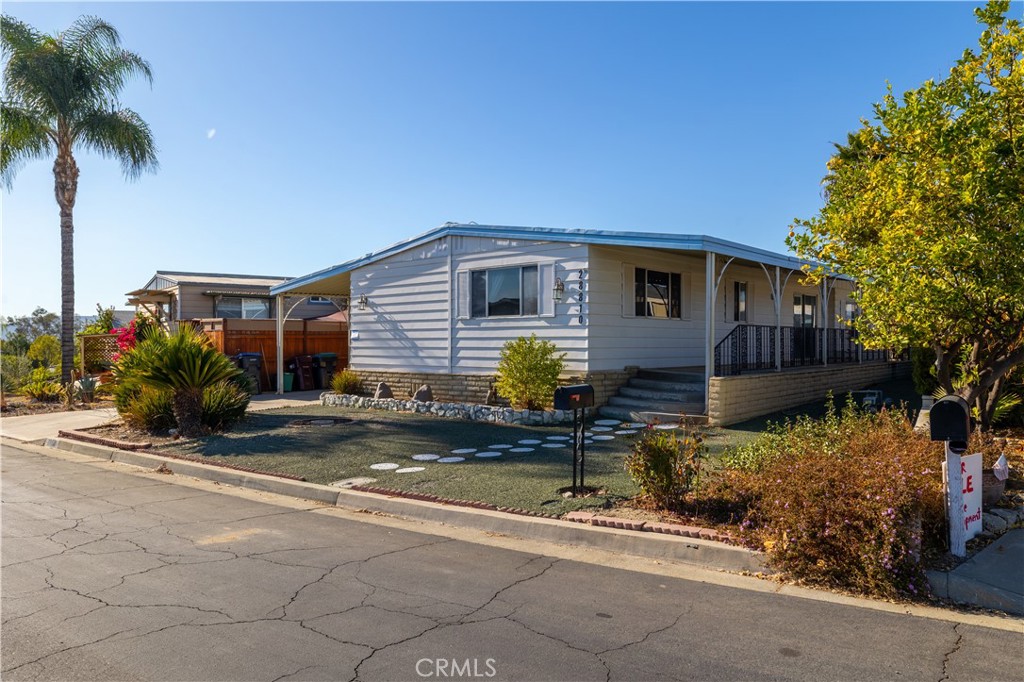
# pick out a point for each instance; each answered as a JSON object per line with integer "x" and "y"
{"x": 322, "y": 454}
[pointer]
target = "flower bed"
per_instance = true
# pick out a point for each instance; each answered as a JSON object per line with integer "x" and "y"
{"x": 469, "y": 412}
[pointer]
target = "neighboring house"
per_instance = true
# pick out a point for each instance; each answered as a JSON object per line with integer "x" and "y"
{"x": 679, "y": 323}
{"x": 172, "y": 296}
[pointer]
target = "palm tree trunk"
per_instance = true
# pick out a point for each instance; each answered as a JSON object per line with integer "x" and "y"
{"x": 65, "y": 175}
{"x": 188, "y": 411}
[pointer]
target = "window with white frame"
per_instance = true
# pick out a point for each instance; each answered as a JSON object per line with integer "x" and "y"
{"x": 658, "y": 294}
{"x": 237, "y": 307}
{"x": 319, "y": 300}
{"x": 504, "y": 292}
{"x": 739, "y": 301}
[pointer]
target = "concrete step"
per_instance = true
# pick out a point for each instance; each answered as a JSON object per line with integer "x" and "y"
{"x": 667, "y": 386}
{"x": 693, "y": 396}
{"x": 652, "y": 417}
{"x": 674, "y": 376}
{"x": 673, "y": 407}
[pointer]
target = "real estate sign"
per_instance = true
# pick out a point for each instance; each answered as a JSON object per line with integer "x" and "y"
{"x": 970, "y": 477}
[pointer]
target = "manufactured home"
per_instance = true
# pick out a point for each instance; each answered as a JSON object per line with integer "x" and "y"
{"x": 658, "y": 323}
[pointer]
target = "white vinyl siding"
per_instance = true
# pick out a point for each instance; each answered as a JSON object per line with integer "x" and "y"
{"x": 617, "y": 336}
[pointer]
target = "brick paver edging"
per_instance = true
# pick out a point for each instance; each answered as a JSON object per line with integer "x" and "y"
{"x": 651, "y": 527}
{"x": 423, "y": 497}
{"x": 135, "y": 447}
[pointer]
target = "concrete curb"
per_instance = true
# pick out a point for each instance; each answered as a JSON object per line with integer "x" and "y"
{"x": 949, "y": 585}
{"x": 695, "y": 551}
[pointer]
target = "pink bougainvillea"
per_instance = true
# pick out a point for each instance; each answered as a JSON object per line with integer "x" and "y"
{"x": 126, "y": 339}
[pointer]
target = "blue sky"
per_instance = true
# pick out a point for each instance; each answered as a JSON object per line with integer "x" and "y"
{"x": 294, "y": 136}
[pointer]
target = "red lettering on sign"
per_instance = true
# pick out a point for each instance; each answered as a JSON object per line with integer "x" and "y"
{"x": 969, "y": 485}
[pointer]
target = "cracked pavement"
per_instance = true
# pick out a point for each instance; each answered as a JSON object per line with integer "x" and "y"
{"x": 117, "y": 573}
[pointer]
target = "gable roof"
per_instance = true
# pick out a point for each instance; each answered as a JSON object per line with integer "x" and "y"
{"x": 651, "y": 240}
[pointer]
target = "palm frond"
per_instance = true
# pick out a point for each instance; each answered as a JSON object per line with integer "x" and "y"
{"x": 24, "y": 136}
{"x": 17, "y": 36}
{"x": 120, "y": 134}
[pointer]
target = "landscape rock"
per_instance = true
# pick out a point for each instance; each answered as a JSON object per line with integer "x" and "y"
{"x": 1008, "y": 515}
{"x": 423, "y": 394}
{"x": 993, "y": 523}
{"x": 383, "y": 392}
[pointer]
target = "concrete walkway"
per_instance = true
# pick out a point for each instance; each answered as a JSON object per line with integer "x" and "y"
{"x": 36, "y": 427}
{"x": 993, "y": 578}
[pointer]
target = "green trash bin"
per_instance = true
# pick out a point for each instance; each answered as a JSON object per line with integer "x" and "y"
{"x": 289, "y": 379}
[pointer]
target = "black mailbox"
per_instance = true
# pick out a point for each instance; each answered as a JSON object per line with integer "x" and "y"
{"x": 950, "y": 419}
{"x": 574, "y": 397}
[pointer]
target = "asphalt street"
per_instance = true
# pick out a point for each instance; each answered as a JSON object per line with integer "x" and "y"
{"x": 114, "y": 573}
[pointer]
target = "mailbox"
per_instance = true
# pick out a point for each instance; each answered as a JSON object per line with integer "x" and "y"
{"x": 950, "y": 419}
{"x": 574, "y": 397}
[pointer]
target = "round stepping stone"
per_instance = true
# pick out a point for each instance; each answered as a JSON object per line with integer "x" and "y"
{"x": 599, "y": 429}
{"x": 385, "y": 466}
{"x": 588, "y": 442}
{"x": 587, "y": 434}
{"x": 607, "y": 422}
{"x": 409, "y": 470}
{"x": 521, "y": 450}
{"x": 666, "y": 427}
{"x": 553, "y": 445}
{"x": 502, "y": 446}
{"x": 425, "y": 458}
{"x": 488, "y": 454}
{"x": 464, "y": 451}
{"x": 529, "y": 441}
{"x": 636, "y": 425}
{"x": 559, "y": 437}
{"x": 625, "y": 432}
{"x": 604, "y": 437}
{"x": 451, "y": 460}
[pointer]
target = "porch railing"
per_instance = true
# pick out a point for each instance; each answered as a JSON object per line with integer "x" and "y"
{"x": 751, "y": 347}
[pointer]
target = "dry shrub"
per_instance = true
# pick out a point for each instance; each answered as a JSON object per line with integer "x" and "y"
{"x": 847, "y": 501}
{"x": 666, "y": 467}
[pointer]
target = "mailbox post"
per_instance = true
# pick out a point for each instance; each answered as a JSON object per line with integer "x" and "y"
{"x": 950, "y": 420}
{"x": 576, "y": 398}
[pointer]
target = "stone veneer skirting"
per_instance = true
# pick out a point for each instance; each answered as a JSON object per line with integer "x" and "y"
{"x": 473, "y": 388}
{"x": 738, "y": 398}
{"x": 470, "y": 412}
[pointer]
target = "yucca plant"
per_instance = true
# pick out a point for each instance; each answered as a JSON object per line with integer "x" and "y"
{"x": 185, "y": 363}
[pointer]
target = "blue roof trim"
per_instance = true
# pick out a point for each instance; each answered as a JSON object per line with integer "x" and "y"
{"x": 651, "y": 240}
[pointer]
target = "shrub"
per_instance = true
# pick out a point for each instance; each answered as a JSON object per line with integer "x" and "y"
{"x": 224, "y": 404}
{"x": 45, "y": 351}
{"x": 528, "y": 372}
{"x": 14, "y": 371}
{"x": 346, "y": 382}
{"x": 146, "y": 409}
{"x": 847, "y": 501}
{"x": 923, "y": 370}
{"x": 666, "y": 467}
{"x": 43, "y": 391}
{"x": 186, "y": 364}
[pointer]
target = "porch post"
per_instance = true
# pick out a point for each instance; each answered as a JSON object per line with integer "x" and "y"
{"x": 778, "y": 320}
{"x": 709, "y": 329}
{"x": 824, "y": 322}
{"x": 279, "y": 333}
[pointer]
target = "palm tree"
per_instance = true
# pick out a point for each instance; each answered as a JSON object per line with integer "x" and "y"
{"x": 186, "y": 364}
{"x": 61, "y": 95}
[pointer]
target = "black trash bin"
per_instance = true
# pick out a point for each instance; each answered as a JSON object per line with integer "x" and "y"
{"x": 251, "y": 364}
{"x": 324, "y": 365}
{"x": 302, "y": 366}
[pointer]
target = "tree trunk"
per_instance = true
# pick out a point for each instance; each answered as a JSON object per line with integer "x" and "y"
{"x": 65, "y": 174}
{"x": 188, "y": 411}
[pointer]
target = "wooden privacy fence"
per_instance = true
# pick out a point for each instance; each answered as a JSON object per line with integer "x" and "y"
{"x": 301, "y": 337}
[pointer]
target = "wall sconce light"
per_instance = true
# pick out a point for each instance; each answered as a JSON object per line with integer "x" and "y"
{"x": 558, "y": 291}
{"x": 362, "y": 301}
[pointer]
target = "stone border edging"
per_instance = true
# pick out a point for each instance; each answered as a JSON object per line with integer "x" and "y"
{"x": 470, "y": 412}
{"x": 119, "y": 445}
{"x": 697, "y": 551}
{"x": 666, "y": 528}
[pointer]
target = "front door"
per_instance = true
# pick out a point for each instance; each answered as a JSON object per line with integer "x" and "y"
{"x": 805, "y": 309}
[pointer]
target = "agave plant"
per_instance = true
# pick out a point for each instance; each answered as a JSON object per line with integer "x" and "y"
{"x": 186, "y": 364}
